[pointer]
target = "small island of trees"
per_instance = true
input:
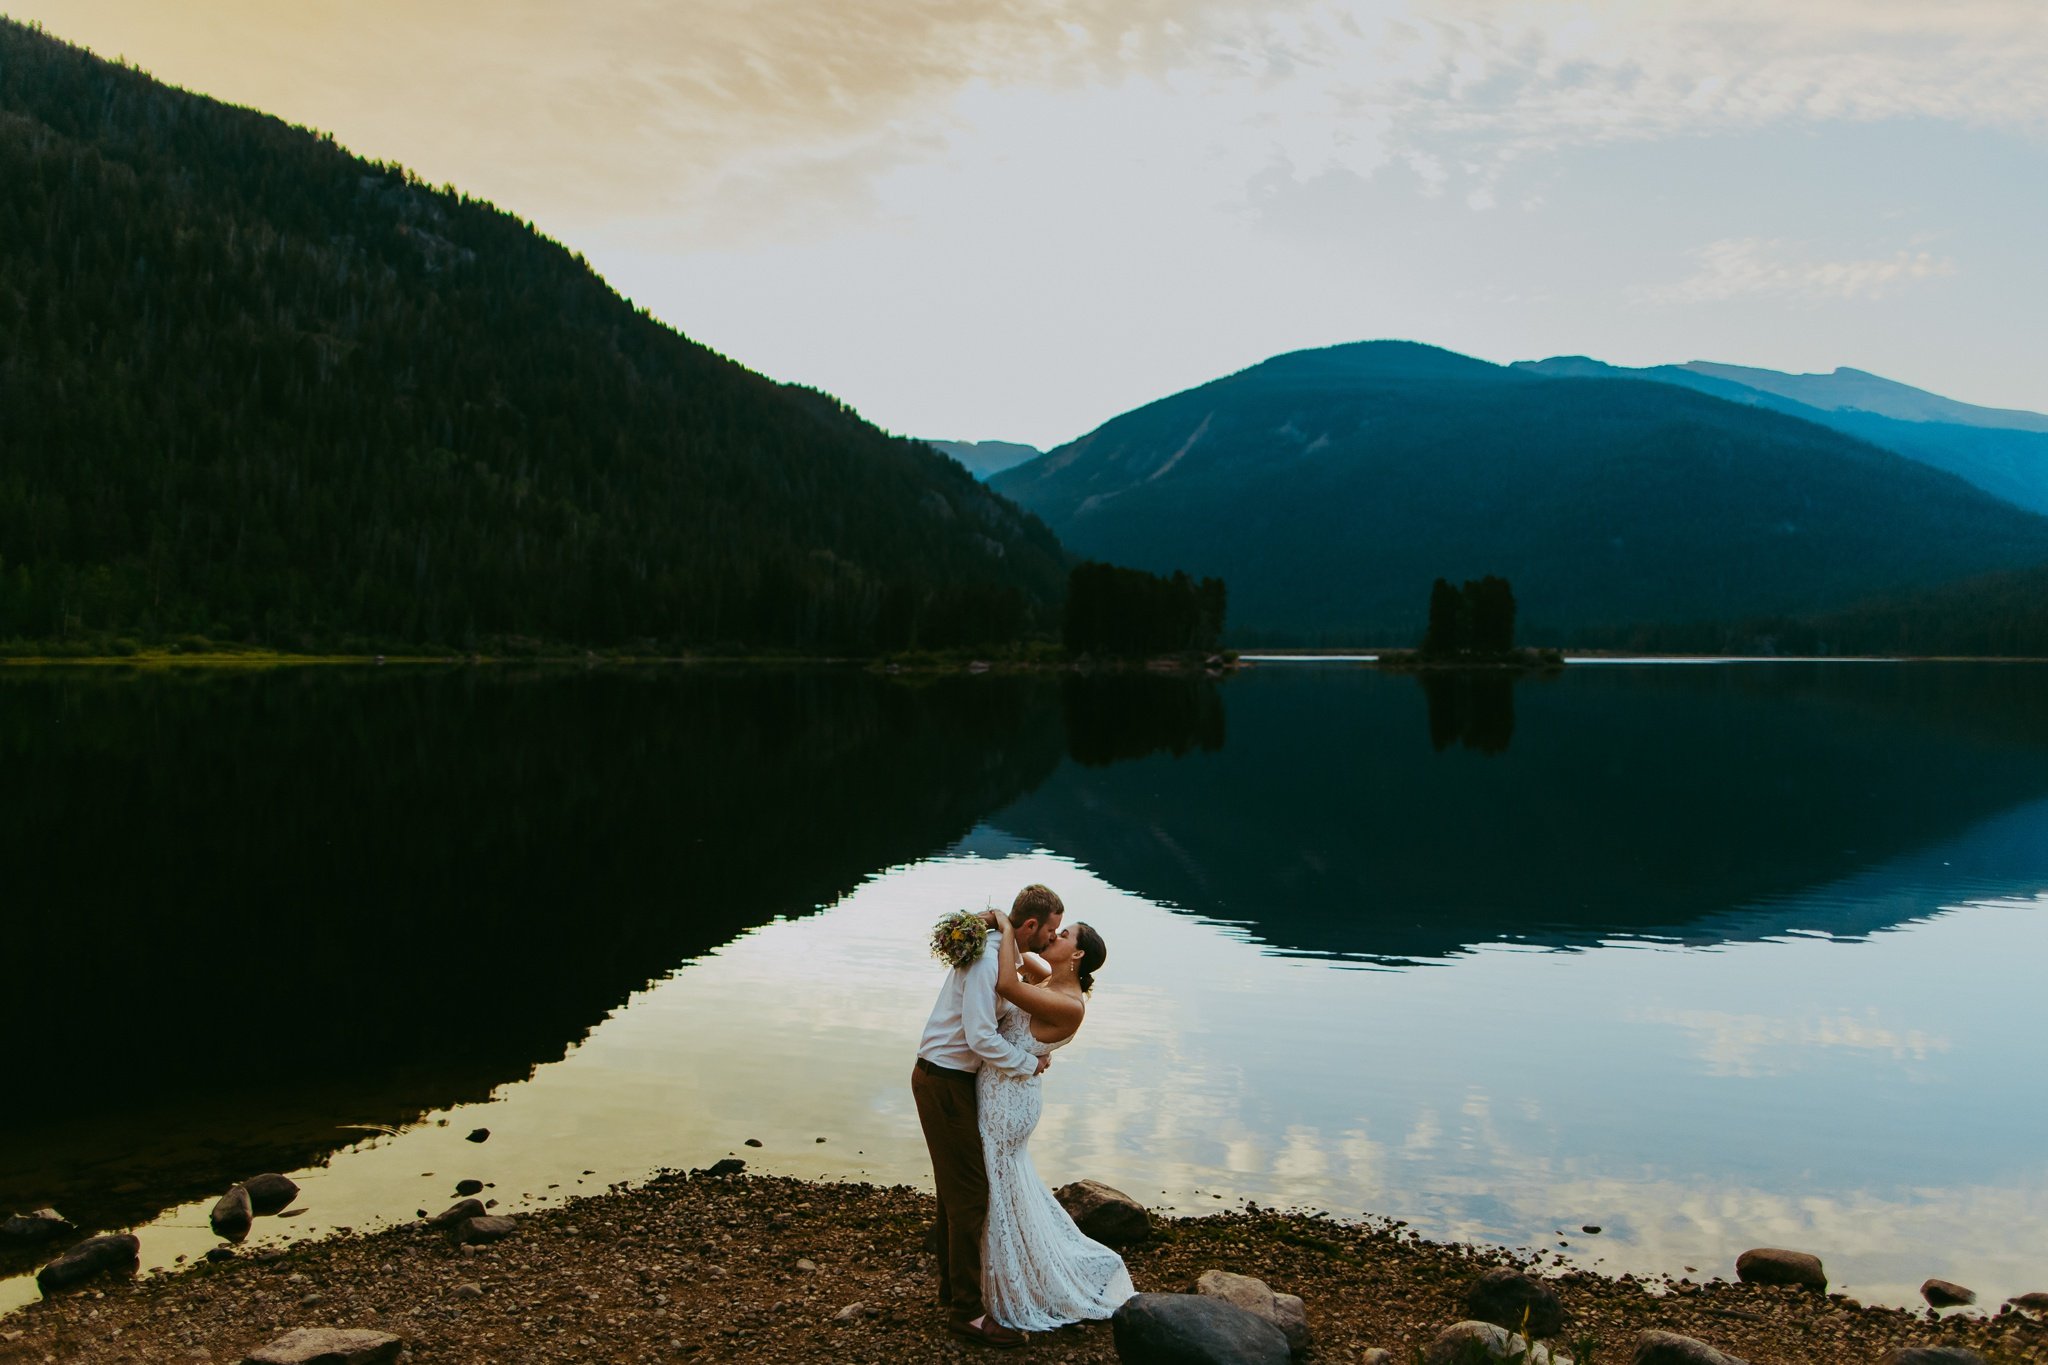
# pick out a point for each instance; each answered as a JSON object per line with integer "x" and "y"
{"x": 1472, "y": 625}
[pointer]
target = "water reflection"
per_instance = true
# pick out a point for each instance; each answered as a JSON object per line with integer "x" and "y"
{"x": 1476, "y": 710}
{"x": 255, "y": 907}
{"x": 1681, "y": 803}
{"x": 271, "y": 916}
{"x": 1117, "y": 716}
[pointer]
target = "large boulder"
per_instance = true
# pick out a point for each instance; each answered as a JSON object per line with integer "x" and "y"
{"x": 480, "y": 1230}
{"x": 1470, "y": 1342}
{"x": 93, "y": 1256}
{"x": 1669, "y": 1348}
{"x": 328, "y": 1346}
{"x": 1108, "y": 1215}
{"x": 458, "y": 1213}
{"x": 1933, "y": 1355}
{"x": 39, "y": 1226}
{"x": 1946, "y": 1294}
{"x": 1194, "y": 1329}
{"x": 2035, "y": 1302}
{"x": 1775, "y": 1265}
{"x": 1285, "y": 1311}
{"x": 1508, "y": 1298}
{"x": 270, "y": 1193}
{"x": 232, "y": 1214}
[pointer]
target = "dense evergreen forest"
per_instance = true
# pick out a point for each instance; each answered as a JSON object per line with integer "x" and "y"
{"x": 256, "y": 389}
{"x": 1999, "y": 615}
{"x": 1112, "y": 610}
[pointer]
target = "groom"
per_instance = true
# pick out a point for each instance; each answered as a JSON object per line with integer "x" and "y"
{"x": 960, "y": 1038}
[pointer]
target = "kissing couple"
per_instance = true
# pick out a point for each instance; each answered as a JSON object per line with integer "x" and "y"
{"x": 1010, "y": 1258}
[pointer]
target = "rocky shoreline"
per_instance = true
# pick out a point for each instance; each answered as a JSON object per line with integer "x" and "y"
{"x": 733, "y": 1267}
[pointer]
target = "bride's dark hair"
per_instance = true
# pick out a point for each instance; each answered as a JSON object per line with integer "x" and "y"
{"x": 1093, "y": 952}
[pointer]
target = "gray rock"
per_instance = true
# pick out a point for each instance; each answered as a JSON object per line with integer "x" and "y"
{"x": 1108, "y": 1215}
{"x": 39, "y": 1226}
{"x": 1669, "y": 1348}
{"x": 850, "y": 1312}
{"x": 1775, "y": 1265}
{"x": 328, "y": 1346}
{"x": 724, "y": 1166}
{"x": 270, "y": 1193}
{"x": 466, "y": 1291}
{"x": 1194, "y": 1329}
{"x": 457, "y": 1213}
{"x": 2032, "y": 1303}
{"x": 1467, "y": 1343}
{"x": 232, "y": 1214}
{"x": 93, "y": 1256}
{"x": 487, "y": 1229}
{"x": 1508, "y": 1298}
{"x": 1946, "y": 1294}
{"x": 468, "y": 1187}
{"x": 1933, "y": 1355}
{"x": 1285, "y": 1311}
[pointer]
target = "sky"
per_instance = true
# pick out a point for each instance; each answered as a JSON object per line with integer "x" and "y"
{"x": 1014, "y": 219}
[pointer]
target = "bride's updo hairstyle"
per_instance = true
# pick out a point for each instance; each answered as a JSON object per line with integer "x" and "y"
{"x": 1092, "y": 955}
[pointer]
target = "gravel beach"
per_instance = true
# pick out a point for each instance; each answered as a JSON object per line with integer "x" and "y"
{"x": 750, "y": 1268}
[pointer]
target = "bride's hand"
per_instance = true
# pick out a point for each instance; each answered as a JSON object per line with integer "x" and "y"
{"x": 993, "y": 919}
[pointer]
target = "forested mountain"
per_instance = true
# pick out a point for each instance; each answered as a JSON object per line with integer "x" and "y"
{"x": 1330, "y": 487}
{"x": 2001, "y": 615}
{"x": 254, "y": 387}
{"x": 2002, "y": 451}
{"x": 984, "y": 459}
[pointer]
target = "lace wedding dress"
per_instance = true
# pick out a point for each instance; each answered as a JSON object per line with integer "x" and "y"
{"x": 1038, "y": 1271}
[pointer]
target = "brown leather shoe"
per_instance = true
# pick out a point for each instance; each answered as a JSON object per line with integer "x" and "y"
{"x": 990, "y": 1333}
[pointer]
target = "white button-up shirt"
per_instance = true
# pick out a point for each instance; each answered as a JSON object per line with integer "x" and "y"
{"x": 961, "y": 1034}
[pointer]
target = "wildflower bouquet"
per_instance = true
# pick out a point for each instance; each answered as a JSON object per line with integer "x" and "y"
{"x": 959, "y": 938}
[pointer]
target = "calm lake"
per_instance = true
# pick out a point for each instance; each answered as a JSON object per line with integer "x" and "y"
{"x": 1706, "y": 957}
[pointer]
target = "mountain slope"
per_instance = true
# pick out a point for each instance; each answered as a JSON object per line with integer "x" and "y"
{"x": 1329, "y": 487}
{"x": 253, "y": 386}
{"x": 2004, "y": 452}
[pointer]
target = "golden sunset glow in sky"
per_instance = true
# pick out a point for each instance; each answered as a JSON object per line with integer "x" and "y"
{"x": 991, "y": 219}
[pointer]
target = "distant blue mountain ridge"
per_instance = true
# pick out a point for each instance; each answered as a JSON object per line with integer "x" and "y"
{"x": 986, "y": 459}
{"x": 2003, "y": 451}
{"x": 1329, "y": 487}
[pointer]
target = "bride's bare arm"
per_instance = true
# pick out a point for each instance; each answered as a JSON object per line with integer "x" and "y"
{"x": 1042, "y": 1002}
{"x": 1061, "y": 1011}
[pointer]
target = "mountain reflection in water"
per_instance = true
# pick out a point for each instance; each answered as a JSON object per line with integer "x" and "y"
{"x": 252, "y": 907}
{"x": 264, "y": 913}
{"x": 1341, "y": 819}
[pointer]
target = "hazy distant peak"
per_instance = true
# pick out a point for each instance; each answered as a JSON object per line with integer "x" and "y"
{"x": 985, "y": 459}
{"x": 1851, "y": 390}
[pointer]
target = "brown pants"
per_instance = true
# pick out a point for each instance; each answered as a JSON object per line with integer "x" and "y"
{"x": 952, "y": 1132}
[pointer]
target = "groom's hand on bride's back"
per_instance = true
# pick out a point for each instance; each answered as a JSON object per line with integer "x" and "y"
{"x": 990, "y": 918}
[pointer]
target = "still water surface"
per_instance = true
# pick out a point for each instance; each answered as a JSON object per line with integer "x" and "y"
{"x": 1709, "y": 958}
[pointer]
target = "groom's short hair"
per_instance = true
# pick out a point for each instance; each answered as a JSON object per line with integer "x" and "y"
{"x": 1036, "y": 902}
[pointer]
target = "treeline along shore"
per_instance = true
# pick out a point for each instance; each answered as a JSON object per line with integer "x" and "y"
{"x": 727, "y": 1266}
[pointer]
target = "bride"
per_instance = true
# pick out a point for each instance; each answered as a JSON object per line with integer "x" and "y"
{"x": 1038, "y": 1270}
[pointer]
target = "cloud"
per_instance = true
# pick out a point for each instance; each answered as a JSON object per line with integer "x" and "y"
{"x": 1734, "y": 1044}
{"x": 623, "y": 107}
{"x": 1746, "y": 267}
